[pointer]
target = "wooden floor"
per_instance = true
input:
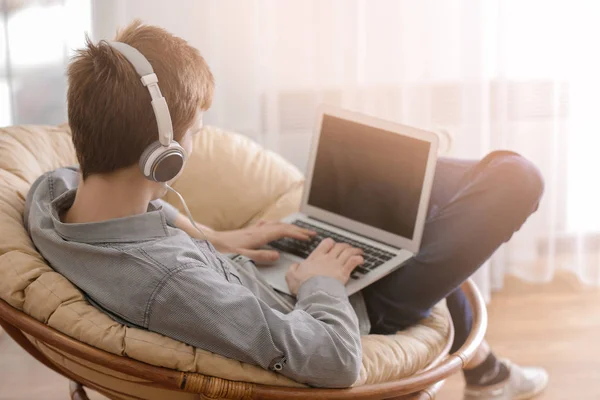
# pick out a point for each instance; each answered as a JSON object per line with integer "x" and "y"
{"x": 555, "y": 325}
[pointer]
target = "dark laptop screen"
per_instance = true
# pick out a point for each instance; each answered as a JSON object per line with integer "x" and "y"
{"x": 369, "y": 175}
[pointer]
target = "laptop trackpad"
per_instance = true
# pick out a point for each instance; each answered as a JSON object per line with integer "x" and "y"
{"x": 275, "y": 273}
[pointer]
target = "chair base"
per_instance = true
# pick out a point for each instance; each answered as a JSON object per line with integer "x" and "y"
{"x": 77, "y": 392}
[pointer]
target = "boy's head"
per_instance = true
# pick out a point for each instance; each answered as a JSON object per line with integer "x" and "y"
{"x": 110, "y": 114}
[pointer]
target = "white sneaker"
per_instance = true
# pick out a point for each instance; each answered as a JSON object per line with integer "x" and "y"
{"x": 522, "y": 383}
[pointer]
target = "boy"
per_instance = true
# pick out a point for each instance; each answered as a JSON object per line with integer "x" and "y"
{"x": 141, "y": 262}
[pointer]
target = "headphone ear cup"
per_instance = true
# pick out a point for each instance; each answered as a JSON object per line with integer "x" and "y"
{"x": 170, "y": 163}
{"x": 162, "y": 163}
{"x": 145, "y": 165}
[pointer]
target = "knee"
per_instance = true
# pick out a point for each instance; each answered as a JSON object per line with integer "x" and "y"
{"x": 517, "y": 178}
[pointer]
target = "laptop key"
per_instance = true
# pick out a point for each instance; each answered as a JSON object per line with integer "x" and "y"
{"x": 361, "y": 270}
{"x": 371, "y": 266}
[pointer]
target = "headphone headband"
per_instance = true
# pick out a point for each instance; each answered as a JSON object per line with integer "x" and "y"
{"x": 163, "y": 159}
{"x": 150, "y": 81}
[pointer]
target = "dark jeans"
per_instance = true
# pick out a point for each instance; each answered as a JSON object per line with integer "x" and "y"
{"x": 475, "y": 206}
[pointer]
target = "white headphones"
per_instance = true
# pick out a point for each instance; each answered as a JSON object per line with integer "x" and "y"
{"x": 163, "y": 159}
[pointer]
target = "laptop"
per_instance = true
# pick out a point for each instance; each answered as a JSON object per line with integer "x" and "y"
{"x": 368, "y": 184}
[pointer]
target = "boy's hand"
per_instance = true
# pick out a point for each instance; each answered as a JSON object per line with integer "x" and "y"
{"x": 247, "y": 241}
{"x": 336, "y": 260}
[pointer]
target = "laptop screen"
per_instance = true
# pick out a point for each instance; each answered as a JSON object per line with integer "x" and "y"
{"x": 369, "y": 175}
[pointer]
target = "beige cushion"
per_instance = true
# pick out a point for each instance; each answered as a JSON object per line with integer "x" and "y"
{"x": 227, "y": 167}
{"x": 230, "y": 181}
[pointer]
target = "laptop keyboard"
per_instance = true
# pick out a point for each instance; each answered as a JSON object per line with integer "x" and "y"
{"x": 373, "y": 257}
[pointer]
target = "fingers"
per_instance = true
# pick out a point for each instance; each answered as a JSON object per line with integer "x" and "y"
{"x": 338, "y": 249}
{"x": 308, "y": 232}
{"x": 349, "y": 252}
{"x": 297, "y": 233}
{"x": 276, "y": 231}
{"x": 260, "y": 256}
{"x": 353, "y": 262}
{"x": 298, "y": 229}
{"x": 323, "y": 248}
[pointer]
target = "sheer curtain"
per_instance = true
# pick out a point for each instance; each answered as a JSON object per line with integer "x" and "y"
{"x": 36, "y": 40}
{"x": 511, "y": 74}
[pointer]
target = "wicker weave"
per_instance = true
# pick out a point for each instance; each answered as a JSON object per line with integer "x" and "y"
{"x": 216, "y": 388}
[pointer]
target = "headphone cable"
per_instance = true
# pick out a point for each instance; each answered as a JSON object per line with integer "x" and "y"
{"x": 284, "y": 303}
{"x": 187, "y": 211}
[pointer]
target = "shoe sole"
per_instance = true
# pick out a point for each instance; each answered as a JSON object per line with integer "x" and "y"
{"x": 523, "y": 396}
{"x": 536, "y": 391}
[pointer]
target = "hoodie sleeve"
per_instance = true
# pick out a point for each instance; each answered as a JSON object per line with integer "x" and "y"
{"x": 318, "y": 343}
